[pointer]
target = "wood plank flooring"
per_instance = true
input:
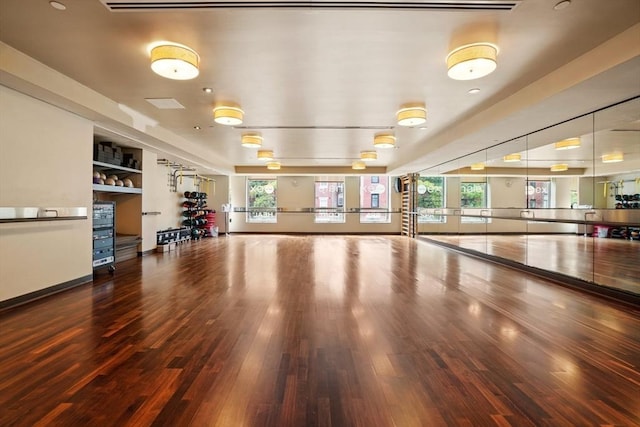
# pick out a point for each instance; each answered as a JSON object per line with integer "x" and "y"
{"x": 268, "y": 330}
{"x": 611, "y": 262}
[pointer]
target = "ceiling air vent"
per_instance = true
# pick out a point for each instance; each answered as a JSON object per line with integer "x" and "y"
{"x": 433, "y": 5}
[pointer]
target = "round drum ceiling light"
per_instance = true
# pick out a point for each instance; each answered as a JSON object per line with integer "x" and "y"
{"x": 274, "y": 166}
{"x": 174, "y": 61}
{"x": 612, "y": 158}
{"x": 411, "y": 114}
{"x": 477, "y": 166}
{"x": 266, "y": 155}
{"x": 512, "y": 158}
{"x": 472, "y": 61}
{"x": 567, "y": 144}
{"x": 384, "y": 140}
{"x": 358, "y": 165}
{"x": 229, "y": 115}
{"x": 368, "y": 156}
{"x": 251, "y": 140}
{"x": 560, "y": 167}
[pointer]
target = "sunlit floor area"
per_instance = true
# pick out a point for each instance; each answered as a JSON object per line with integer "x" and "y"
{"x": 611, "y": 262}
{"x": 273, "y": 330}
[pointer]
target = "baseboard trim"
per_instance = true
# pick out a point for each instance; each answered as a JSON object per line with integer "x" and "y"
{"x": 612, "y": 294}
{"x": 43, "y": 293}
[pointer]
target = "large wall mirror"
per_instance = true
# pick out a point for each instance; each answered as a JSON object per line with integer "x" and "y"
{"x": 565, "y": 199}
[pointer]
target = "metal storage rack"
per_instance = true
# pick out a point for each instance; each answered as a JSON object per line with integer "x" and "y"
{"x": 104, "y": 242}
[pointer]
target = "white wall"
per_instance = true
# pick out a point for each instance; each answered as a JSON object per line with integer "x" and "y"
{"x": 295, "y": 192}
{"x": 45, "y": 161}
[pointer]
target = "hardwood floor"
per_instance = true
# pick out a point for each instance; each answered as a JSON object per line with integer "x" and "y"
{"x": 268, "y": 330}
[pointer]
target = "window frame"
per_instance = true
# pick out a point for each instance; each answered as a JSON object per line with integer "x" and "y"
{"x": 329, "y": 214}
{"x": 424, "y": 218}
{"x": 368, "y": 213}
{"x": 251, "y": 216}
{"x": 485, "y": 200}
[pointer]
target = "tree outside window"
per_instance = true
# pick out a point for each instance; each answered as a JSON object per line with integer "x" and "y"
{"x": 262, "y": 201}
{"x": 430, "y": 196}
{"x": 473, "y": 195}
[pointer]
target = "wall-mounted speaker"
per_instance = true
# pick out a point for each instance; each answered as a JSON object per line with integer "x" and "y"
{"x": 398, "y": 185}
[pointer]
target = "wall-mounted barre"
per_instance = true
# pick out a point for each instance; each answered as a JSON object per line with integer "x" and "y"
{"x": 29, "y": 214}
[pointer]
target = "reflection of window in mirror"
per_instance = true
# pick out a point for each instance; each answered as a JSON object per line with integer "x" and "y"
{"x": 431, "y": 195}
{"x": 473, "y": 195}
{"x": 574, "y": 198}
{"x": 539, "y": 194}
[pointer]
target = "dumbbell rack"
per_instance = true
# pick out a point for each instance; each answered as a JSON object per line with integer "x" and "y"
{"x": 195, "y": 213}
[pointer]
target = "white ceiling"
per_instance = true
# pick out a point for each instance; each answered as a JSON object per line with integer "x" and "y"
{"x": 319, "y": 82}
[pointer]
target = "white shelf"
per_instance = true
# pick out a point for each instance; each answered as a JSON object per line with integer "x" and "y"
{"x": 101, "y": 165}
{"x": 116, "y": 189}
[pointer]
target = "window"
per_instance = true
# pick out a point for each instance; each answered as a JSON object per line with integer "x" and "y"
{"x": 430, "y": 196}
{"x": 374, "y": 199}
{"x": 329, "y": 204}
{"x": 538, "y": 194}
{"x": 262, "y": 200}
{"x": 473, "y": 195}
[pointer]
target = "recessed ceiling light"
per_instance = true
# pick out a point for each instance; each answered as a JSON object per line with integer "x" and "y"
{"x": 207, "y": 90}
{"x": 57, "y": 5}
{"x": 562, "y": 5}
{"x": 474, "y": 91}
{"x": 197, "y": 127}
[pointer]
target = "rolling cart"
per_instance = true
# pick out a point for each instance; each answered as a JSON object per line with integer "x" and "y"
{"x": 104, "y": 241}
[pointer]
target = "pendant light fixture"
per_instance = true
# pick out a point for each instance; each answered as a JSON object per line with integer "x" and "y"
{"x": 384, "y": 140}
{"x": 512, "y": 158}
{"x": 251, "y": 140}
{"x": 265, "y": 155}
{"x": 567, "y": 144}
{"x": 412, "y": 114}
{"x": 358, "y": 165}
{"x": 228, "y": 114}
{"x": 174, "y": 61}
{"x": 472, "y": 61}
{"x": 612, "y": 158}
{"x": 368, "y": 156}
